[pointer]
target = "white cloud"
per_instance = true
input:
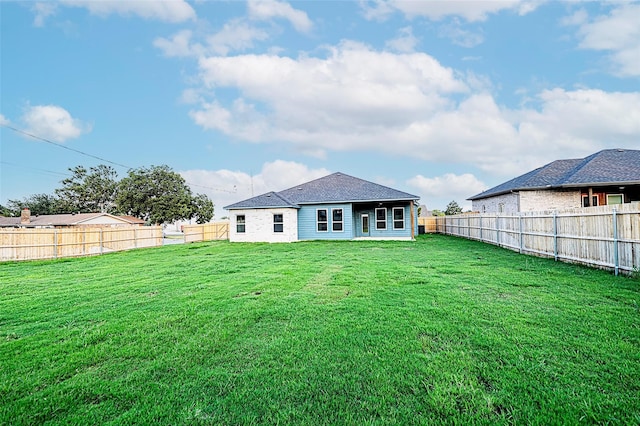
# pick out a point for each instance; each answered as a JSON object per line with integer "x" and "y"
{"x": 459, "y": 35}
{"x": 4, "y": 121}
{"x": 268, "y": 9}
{"x": 618, "y": 33}
{"x": 437, "y": 191}
{"x": 405, "y": 42}
{"x": 468, "y": 10}
{"x": 405, "y": 105}
{"x": 53, "y": 122}
{"x": 179, "y": 45}
{"x": 236, "y": 35}
{"x": 42, "y": 11}
{"x": 162, "y": 10}
{"x": 226, "y": 187}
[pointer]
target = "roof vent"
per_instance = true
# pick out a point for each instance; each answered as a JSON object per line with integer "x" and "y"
{"x": 299, "y": 188}
{"x": 620, "y": 150}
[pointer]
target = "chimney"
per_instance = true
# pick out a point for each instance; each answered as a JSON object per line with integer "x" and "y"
{"x": 25, "y": 216}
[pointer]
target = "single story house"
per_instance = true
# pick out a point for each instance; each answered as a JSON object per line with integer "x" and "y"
{"x": 26, "y": 220}
{"x": 334, "y": 207}
{"x": 610, "y": 176}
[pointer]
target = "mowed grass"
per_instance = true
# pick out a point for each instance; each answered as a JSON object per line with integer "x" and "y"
{"x": 441, "y": 330}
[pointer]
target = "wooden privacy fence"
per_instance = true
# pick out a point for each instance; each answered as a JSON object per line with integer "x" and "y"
{"x": 429, "y": 224}
{"x": 206, "y": 232}
{"x": 606, "y": 237}
{"x": 30, "y": 243}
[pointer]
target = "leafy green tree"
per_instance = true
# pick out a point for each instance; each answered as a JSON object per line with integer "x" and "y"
{"x": 156, "y": 194}
{"x": 89, "y": 191}
{"x": 202, "y": 208}
{"x": 37, "y": 204}
{"x": 436, "y": 212}
{"x": 5, "y": 211}
{"x": 452, "y": 209}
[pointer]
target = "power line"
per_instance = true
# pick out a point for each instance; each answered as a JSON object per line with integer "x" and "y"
{"x": 34, "y": 168}
{"x": 98, "y": 158}
{"x": 64, "y": 147}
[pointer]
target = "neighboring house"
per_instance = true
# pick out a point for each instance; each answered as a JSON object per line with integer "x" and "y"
{"x": 26, "y": 220}
{"x": 335, "y": 207}
{"x": 611, "y": 176}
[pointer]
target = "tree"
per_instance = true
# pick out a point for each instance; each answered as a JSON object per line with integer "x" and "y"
{"x": 202, "y": 208}
{"x": 452, "y": 209}
{"x": 89, "y": 191}
{"x": 37, "y": 204}
{"x": 5, "y": 211}
{"x": 157, "y": 195}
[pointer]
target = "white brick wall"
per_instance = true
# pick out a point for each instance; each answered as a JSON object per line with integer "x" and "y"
{"x": 259, "y": 226}
{"x": 526, "y": 201}
{"x": 531, "y": 201}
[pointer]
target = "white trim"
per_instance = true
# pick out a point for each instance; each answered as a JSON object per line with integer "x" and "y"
{"x": 615, "y": 195}
{"x": 243, "y": 223}
{"x": 393, "y": 218}
{"x": 385, "y": 218}
{"x": 338, "y": 221}
{"x": 326, "y": 210}
{"x": 278, "y": 223}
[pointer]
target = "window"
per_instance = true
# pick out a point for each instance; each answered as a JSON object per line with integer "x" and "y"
{"x": 501, "y": 208}
{"x": 240, "y": 224}
{"x": 615, "y": 199}
{"x": 398, "y": 218}
{"x": 321, "y": 220}
{"x": 278, "y": 223}
{"x": 336, "y": 219}
{"x": 585, "y": 201}
{"x": 381, "y": 219}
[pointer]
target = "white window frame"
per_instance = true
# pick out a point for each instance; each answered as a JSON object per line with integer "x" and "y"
{"x": 334, "y": 222}
{"x": 318, "y": 221}
{"x": 393, "y": 216}
{"x": 278, "y": 223}
{"x": 243, "y": 224}
{"x": 379, "y": 221}
{"x": 615, "y": 195}
{"x": 594, "y": 200}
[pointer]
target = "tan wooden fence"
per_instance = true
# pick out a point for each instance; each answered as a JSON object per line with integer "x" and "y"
{"x": 429, "y": 224}
{"x": 30, "y": 243}
{"x": 606, "y": 236}
{"x": 206, "y": 232}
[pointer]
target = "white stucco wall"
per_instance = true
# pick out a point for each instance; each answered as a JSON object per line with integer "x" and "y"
{"x": 527, "y": 201}
{"x": 259, "y": 226}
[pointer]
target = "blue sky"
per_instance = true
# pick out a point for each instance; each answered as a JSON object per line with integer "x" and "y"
{"x": 442, "y": 99}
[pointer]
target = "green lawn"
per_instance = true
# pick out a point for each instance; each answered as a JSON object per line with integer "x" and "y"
{"x": 442, "y": 330}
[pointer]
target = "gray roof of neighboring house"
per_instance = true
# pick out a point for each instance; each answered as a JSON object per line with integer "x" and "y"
{"x": 606, "y": 167}
{"x": 60, "y": 219}
{"x": 335, "y": 188}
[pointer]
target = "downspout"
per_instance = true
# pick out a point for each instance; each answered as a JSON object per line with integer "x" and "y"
{"x": 413, "y": 225}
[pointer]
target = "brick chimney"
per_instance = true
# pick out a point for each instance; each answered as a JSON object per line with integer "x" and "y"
{"x": 25, "y": 216}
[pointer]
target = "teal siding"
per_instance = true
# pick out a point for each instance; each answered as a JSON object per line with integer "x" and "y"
{"x": 352, "y": 222}
{"x": 307, "y": 229}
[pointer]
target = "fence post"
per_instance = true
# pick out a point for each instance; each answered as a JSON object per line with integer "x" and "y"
{"x": 615, "y": 241}
{"x": 101, "y": 242}
{"x": 497, "y": 230}
{"x": 520, "y": 226}
{"x": 481, "y": 228}
{"x": 55, "y": 243}
{"x": 555, "y": 235}
{"x": 135, "y": 237}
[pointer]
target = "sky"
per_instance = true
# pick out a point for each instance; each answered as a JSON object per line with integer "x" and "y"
{"x": 441, "y": 99}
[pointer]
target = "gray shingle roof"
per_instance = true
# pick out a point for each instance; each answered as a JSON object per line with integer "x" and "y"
{"x": 63, "y": 219}
{"x": 609, "y": 166}
{"x": 335, "y": 188}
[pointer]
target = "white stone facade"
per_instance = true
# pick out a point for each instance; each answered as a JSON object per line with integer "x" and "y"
{"x": 526, "y": 201}
{"x": 259, "y": 226}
